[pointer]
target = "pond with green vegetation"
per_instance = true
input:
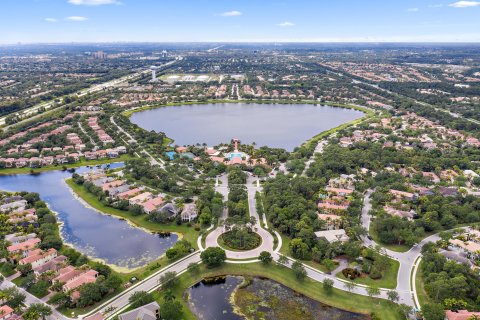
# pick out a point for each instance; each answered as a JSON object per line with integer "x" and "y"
{"x": 233, "y": 297}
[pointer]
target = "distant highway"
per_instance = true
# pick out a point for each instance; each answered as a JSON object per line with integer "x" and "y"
{"x": 93, "y": 89}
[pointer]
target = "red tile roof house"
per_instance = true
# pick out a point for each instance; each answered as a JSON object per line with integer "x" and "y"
{"x": 90, "y": 155}
{"x": 109, "y": 185}
{"x": 73, "y": 278}
{"x": 460, "y": 315}
{"x": 35, "y": 162}
{"x": 339, "y": 191}
{"x": 21, "y": 162}
{"x": 431, "y": 176}
{"x": 23, "y": 247}
{"x": 53, "y": 265}
{"x": 402, "y": 194}
{"x": 6, "y": 312}
{"x": 37, "y": 260}
{"x": 127, "y": 194}
{"x": 142, "y": 197}
{"x": 152, "y": 205}
{"x": 48, "y": 161}
{"x": 89, "y": 276}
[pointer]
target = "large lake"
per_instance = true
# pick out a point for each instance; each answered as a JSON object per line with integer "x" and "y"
{"x": 275, "y": 125}
{"x": 90, "y": 232}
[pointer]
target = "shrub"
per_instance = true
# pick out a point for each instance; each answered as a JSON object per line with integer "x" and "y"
{"x": 375, "y": 273}
{"x": 350, "y": 273}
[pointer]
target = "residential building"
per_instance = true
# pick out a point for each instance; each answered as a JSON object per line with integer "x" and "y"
{"x": 149, "y": 311}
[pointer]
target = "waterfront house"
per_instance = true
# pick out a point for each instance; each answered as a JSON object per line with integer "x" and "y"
{"x": 149, "y": 311}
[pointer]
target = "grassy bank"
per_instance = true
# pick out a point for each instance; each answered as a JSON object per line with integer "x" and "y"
{"x": 312, "y": 289}
{"x": 81, "y": 163}
{"x": 188, "y": 233}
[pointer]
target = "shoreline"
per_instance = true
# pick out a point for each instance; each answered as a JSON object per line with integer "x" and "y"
{"x": 130, "y": 223}
{"x": 128, "y": 113}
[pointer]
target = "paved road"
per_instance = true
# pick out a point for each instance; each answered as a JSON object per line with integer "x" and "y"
{"x": 406, "y": 259}
{"x": 318, "y": 150}
{"x": 253, "y": 186}
{"x": 30, "y": 299}
{"x": 93, "y": 89}
{"x": 120, "y": 302}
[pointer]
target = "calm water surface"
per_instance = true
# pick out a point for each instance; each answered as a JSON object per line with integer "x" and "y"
{"x": 260, "y": 299}
{"x": 97, "y": 235}
{"x": 275, "y": 125}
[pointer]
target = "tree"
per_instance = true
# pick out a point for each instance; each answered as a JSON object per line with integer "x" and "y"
{"x": 349, "y": 285}
{"x": 168, "y": 280}
{"x": 213, "y": 257}
{"x": 405, "y": 310}
{"x": 171, "y": 310}
{"x": 193, "y": 268}
{"x": 283, "y": 260}
{"x": 37, "y": 310}
{"x": 433, "y": 311}
{"x": 373, "y": 291}
{"x": 329, "y": 264}
{"x": 140, "y": 298}
{"x": 14, "y": 297}
{"x": 24, "y": 269}
{"x": 393, "y": 295}
{"x": 265, "y": 257}
{"x": 328, "y": 285}
{"x": 60, "y": 299}
{"x": 299, "y": 270}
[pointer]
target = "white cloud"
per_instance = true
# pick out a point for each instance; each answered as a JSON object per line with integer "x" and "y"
{"x": 233, "y": 13}
{"x": 50, "y": 19}
{"x": 92, "y": 2}
{"x": 76, "y": 18}
{"x": 465, "y": 4}
{"x": 286, "y": 24}
{"x": 412, "y": 9}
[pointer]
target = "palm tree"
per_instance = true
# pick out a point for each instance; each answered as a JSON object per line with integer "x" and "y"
{"x": 349, "y": 285}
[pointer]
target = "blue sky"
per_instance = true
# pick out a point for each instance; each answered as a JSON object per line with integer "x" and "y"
{"x": 239, "y": 20}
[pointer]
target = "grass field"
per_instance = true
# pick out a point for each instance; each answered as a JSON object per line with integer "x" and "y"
{"x": 338, "y": 298}
{"x": 80, "y": 163}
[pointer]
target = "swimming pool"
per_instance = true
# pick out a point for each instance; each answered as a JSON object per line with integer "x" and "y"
{"x": 235, "y": 155}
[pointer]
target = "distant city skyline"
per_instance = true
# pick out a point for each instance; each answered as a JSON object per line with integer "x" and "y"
{"x": 65, "y": 21}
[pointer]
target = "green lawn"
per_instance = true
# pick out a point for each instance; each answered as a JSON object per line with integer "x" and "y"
{"x": 80, "y": 163}
{"x": 338, "y": 298}
{"x": 388, "y": 280}
{"x": 423, "y": 298}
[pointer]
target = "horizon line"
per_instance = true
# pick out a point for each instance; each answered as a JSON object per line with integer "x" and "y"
{"x": 239, "y": 42}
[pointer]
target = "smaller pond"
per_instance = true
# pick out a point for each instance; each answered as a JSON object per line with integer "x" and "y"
{"x": 233, "y": 298}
